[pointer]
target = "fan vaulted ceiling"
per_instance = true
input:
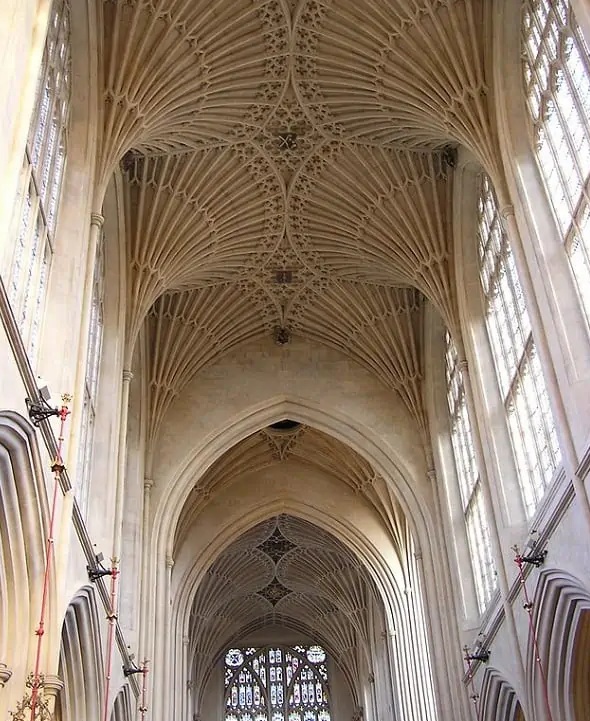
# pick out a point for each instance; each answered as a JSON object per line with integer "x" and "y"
{"x": 285, "y": 449}
{"x": 284, "y": 572}
{"x": 288, "y": 170}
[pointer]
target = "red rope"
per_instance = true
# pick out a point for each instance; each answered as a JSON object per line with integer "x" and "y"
{"x": 528, "y": 606}
{"x": 111, "y": 637}
{"x": 57, "y": 469}
{"x": 474, "y": 696}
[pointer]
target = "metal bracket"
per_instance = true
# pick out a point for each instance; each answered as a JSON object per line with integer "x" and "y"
{"x": 40, "y": 411}
{"x": 535, "y": 559}
{"x": 98, "y": 570}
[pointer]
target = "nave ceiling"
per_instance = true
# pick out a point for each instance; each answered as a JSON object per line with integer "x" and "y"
{"x": 286, "y": 573}
{"x": 288, "y": 171}
{"x": 285, "y": 448}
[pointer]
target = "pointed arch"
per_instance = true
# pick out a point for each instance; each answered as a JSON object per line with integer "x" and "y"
{"x": 80, "y": 662}
{"x": 498, "y": 699}
{"x": 562, "y": 619}
{"x": 123, "y": 706}
{"x": 24, "y": 516}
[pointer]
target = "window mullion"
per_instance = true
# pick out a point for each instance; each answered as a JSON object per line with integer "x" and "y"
{"x": 570, "y": 143}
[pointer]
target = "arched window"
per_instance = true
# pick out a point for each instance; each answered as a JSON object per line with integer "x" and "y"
{"x": 276, "y": 684}
{"x": 518, "y": 370}
{"x": 94, "y": 348}
{"x": 557, "y": 85}
{"x": 478, "y": 532}
{"x": 35, "y": 212}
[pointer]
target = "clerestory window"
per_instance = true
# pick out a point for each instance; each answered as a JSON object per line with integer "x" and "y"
{"x": 557, "y": 84}
{"x": 276, "y": 684}
{"x": 518, "y": 370}
{"x": 37, "y": 204}
{"x": 94, "y": 348}
{"x": 476, "y": 524}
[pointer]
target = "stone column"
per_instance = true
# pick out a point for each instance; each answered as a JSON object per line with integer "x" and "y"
{"x": 145, "y": 555}
{"x": 166, "y": 660}
{"x": 52, "y": 686}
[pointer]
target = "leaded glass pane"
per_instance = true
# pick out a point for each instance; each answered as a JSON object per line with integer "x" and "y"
{"x": 297, "y": 689}
{"x": 37, "y": 202}
{"x": 521, "y": 381}
{"x": 476, "y": 523}
{"x": 94, "y": 349}
{"x": 556, "y": 70}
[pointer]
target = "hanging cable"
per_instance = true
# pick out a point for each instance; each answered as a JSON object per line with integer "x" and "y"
{"x": 57, "y": 468}
{"x": 528, "y": 606}
{"x": 112, "y": 619}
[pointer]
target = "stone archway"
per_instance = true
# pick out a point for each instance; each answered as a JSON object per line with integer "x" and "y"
{"x": 356, "y": 412}
{"x": 24, "y": 517}
{"x": 498, "y": 699}
{"x": 80, "y": 661}
{"x": 123, "y": 705}
{"x": 562, "y": 618}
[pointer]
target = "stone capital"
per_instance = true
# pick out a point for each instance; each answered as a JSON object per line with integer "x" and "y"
{"x": 507, "y": 211}
{"x": 127, "y": 375}
{"x": 463, "y": 365}
{"x": 97, "y": 220}
{"x": 5, "y": 674}
{"x": 52, "y": 685}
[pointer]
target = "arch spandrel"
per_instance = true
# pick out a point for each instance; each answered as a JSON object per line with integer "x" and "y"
{"x": 245, "y": 393}
{"x": 310, "y": 494}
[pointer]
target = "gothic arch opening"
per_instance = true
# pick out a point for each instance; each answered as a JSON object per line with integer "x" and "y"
{"x": 287, "y": 583}
{"x": 23, "y": 520}
{"x": 580, "y": 688}
{"x": 325, "y": 507}
{"x": 562, "y": 615}
{"x": 80, "y": 660}
{"x": 123, "y": 705}
{"x": 498, "y": 699}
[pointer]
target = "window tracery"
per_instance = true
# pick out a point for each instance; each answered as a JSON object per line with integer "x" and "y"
{"x": 557, "y": 84}
{"x": 94, "y": 348}
{"x": 36, "y": 209}
{"x": 518, "y": 369}
{"x": 276, "y": 684}
{"x": 472, "y": 502}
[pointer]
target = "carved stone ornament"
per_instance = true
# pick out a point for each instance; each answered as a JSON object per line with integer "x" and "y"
{"x": 358, "y": 714}
{"x": 24, "y": 708}
{"x": 5, "y": 674}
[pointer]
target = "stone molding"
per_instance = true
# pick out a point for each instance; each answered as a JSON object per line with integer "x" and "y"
{"x": 5, "y": 674}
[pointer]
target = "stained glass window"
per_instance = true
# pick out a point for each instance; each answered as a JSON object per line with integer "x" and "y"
{"x": 476, "y": 523}
{"x": 519, "y": 373}
{"x": 94, "y": 348}
{"x": 37, "y": 203}
{"x": 557, "y": 84}
{"x": 276, "y": 684}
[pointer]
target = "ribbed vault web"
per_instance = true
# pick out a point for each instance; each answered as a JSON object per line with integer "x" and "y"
{"x": 285, "y": 451}
{"x": 289, "y": 573}
{"x": 288, "y": 168}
